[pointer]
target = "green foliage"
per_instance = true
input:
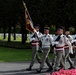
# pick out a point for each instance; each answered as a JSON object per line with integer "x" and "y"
{"x": 72, "y": 29}
{"x": 44, "y": 12}
{"x": 51, "y": 12}
{"x": 41, "y": 11}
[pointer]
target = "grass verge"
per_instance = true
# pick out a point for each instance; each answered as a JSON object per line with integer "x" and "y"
{"x": 16, "y": 55}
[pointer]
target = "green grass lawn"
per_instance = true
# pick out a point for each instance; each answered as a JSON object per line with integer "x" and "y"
{"x": 16, "y": 55}
{"x": 14, "y": 51}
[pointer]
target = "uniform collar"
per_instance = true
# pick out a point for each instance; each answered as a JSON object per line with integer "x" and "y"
{"x": 37, "y": 32}
{"x": 60, "y": 35}
{"x": 46, "y": 34}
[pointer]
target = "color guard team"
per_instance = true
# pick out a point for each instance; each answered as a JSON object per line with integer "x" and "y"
{"x": 62, "y": 45}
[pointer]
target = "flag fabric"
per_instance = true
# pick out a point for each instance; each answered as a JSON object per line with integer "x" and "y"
{"x": 29, "y": 23}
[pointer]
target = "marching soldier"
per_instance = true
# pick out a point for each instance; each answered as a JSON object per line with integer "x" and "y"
{"x": 46, "y": 40}
{"x": 67, "y": 56}
{"x": 34, "y": 39}
{"x": 59, "y": 44}
{"x": 74, "y": 47}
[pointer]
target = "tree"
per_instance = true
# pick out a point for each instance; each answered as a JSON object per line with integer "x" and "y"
{"x": 43, "y": 12}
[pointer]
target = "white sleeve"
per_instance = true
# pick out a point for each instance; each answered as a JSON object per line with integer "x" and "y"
{"x": 73, "y": 41}
{"x": 54, "y": 42}
{"x": 71, "y": 38}
{"x": 51, "y": 39}
{"x": 66, "y": 40}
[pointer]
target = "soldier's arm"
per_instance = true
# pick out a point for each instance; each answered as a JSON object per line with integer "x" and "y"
{"x": 66, "y": 40}
{"x": 71, "y": 38}
{"x": 32, "y": 38}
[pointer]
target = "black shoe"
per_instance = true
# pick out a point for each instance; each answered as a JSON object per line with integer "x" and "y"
{"x": 39, "y": 62}
{"x": 39, "y": 70}
{"x": 28, "y": 69}
{"x": 50, "y": 69}
{"x": 71, "y": 67}
{"x": 52, "y": 64}
{"x": 57, "y": 69}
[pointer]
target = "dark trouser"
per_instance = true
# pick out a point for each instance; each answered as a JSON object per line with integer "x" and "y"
{"x": 35, "y": 55}
{"x": 59, "y": 59}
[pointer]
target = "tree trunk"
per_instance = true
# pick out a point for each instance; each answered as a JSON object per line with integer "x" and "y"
{"x": 14, "y": 30}
{"x": 4, "y": 32}
{"x": 9, "y": 33}
{"x": 23, "y": 33}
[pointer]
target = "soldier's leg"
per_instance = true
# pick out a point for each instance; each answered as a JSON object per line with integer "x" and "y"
{"x": 54, "y": 58}
{"x": 33, "y": 58}
{"x": 69, "y": 59}
{"x": 62, "y": 63}
{"x": 44, "y": 56}
{"x": 33, "y": 55}
{"x": 59, "y": 54}
{"x": 75, "y": 58}
{"x": 70, "y": 62}
{"x": 48, "y": 64}
{"x": 38, "y": 58}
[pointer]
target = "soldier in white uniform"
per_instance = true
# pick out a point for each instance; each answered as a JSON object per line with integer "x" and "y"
{"x": 74, "y": 47}
{"x": 46, "y": 40}
{"x": 59, "y": 44}
{"x": 34, "y": 39}
{"x": 67, "y": 56}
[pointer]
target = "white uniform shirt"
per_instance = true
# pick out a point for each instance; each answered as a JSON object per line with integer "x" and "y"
{"x": 61, "y": 43}
{"x": 35, "y": 38}
{"x": 70, "y": 39}
{"x": 46, "y": 40}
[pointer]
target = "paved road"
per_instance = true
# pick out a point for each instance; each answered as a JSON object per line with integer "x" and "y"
{"x": 19, "y": 68}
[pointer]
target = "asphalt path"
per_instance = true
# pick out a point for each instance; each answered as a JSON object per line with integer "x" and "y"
{"x": 19, "y": 68}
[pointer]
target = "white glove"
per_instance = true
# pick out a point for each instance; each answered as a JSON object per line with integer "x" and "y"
{"x": 54, "y": 43}
{"x": 73, "y": 41}
{"x": 71, "y": 51}
{"x": 33, "y": 39}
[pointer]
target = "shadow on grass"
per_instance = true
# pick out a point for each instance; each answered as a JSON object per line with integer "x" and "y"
{"x": 17, "y": 45}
